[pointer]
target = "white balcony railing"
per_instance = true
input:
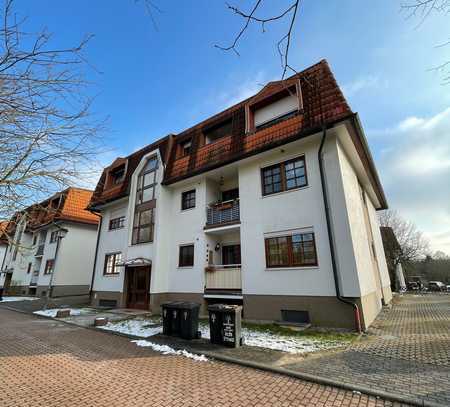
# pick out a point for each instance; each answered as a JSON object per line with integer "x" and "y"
{"x": 223, "y": 277}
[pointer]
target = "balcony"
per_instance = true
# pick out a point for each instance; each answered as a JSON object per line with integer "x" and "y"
{"x": 222, "y": 214}
{"x": 40, "y": 250}
{"x": 223, "y": 277}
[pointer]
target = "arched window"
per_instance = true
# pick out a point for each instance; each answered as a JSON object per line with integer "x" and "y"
{"x": 143, "y": 222}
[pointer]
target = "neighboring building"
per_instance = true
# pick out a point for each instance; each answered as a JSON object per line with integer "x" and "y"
{"x": 233, "y": 210}
{"x": 35, "y": 253}
{"x": 3, "y": 246}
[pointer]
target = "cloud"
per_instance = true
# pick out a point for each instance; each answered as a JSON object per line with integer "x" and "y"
{"x": 414, "y": 164}
{"x": 363, "y": 83}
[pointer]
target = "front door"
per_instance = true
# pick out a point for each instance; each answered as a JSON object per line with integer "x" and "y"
{"x": 7, "y": 282}
{"x": 138, "y": 286}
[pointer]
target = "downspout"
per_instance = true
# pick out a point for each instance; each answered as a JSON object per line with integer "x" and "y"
{"x": 96, "y": 253}
{"x": 330, "y": 236}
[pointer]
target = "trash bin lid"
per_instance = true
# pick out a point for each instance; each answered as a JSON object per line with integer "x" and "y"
{"x": 190, "y": 305}
{"x": 216, "y": 307}
{"x": 173, "y": 304}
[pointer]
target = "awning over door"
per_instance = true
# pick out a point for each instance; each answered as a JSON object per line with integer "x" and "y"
{"x": 136, "y": 262}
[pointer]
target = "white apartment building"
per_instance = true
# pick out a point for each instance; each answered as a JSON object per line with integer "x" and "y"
{"x": 52, "y": 247}
{"x": 270, "y": 204}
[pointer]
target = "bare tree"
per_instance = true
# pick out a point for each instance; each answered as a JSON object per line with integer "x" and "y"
{"x": 289, "y": 12}
{"x": 423, "y": 9}
{"x": 413, "y": 245}
{"x": 48, "y": 137}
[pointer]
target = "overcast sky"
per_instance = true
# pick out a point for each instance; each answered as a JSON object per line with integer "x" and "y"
{"x": 154, "y": 81}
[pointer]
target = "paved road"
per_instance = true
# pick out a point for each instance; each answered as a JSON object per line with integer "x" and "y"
{"x": 409, "y": 353}
{"x": 49, "y": 363}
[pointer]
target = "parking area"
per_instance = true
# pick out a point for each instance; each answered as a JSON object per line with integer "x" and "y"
{"x": 48, "y": 363}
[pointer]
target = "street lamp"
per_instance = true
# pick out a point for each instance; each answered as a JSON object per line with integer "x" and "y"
{"x": 60, "y": 234}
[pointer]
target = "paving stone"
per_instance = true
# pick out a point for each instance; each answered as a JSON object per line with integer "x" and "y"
{"x": 48, "y": 363}
{"x": 407, "y": 353}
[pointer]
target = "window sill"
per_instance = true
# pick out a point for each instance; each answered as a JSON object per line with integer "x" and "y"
{"x": 285, "y": 192}
{"x": 141, "y": 243}
{"x": 111, "y": 275}
{"x": 185, "y": 267}
{"x": 291, "y": 268}
{"x": 187, "y": 210}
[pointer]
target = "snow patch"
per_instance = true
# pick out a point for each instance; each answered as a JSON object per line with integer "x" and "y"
{"x": 167, "y": 350}
{"x": 52, "y": 312}
{"x": 11, "y": 299}
{"x": 136, "y": 327}
{"x": 290, "y": 344}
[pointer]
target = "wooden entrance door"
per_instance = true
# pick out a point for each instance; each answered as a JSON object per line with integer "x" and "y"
{"x": 138, "y": 286}
{"x": 7, "y": 283}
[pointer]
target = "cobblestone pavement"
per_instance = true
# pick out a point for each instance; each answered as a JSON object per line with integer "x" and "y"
{"x": 409, "y": 353}
{"x": 48, "y": 363}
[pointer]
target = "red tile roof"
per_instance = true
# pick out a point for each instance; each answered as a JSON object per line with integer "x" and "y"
{"x": 323, "y": 105}
{"x": 70, "y": 205}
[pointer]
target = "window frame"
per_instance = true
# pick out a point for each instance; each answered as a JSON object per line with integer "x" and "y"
{"x": 53, "y": 236}
{"x": 120, "y": 220}
{"x": 290, "y": 256}
{"x": 47, "y": 268}
{"x": 185, "y": 246}
{"x": 114, "y": 265}
{"x": 185, "y": 200}
{"x": 149, "y": 205}
{"x": 283, "y": 179}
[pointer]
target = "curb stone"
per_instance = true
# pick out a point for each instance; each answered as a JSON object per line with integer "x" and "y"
{"x": 260, "y": 366}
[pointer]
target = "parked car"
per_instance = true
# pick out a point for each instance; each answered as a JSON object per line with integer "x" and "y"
{"x": 436, "y": 286}
{"x": 413, "y": 286}
{"x": 448, "y": 288}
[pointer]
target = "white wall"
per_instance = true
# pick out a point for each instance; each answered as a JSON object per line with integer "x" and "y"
{"x": 75, "y": 261}
{"x": 358, "y": 231}
{"x": 302, "y": 208}
{"x": 111, "y": 241}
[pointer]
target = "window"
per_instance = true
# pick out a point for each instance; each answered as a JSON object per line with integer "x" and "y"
{"x": 291, "y": 251}
{"x": 29, "y": 268}
{"x": 54, "y": 236}
{"x": 188, "y": 199}
{"x": 49, "y": 265}
{"x": 231, "y": 254}
{"x": 186, "y": 258}
{"x": 143, "y": 226}
{"x": 147, "y": 182}
{"x": 118, "y": 174}
{"x": 111, "y": 261}
{"x": 117, "y": 223}
{"x": 284, "y": 176}
{"x": 185, "y": 148}
{"x": 282, "y": 108}
{"x": 145, "y": 202}
{"x": 218, "y": 131}
{"x": 230, "y": 195}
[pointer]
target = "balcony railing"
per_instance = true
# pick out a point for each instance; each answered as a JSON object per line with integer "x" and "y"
{"x": 223, "y": 277}
{"x": 223, "y": 213}
{"x": 40, "y": 250}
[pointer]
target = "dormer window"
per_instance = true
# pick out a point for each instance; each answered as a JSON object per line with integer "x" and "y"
{"x": 184, "y": 148}
{"x": 217, "y": 131}
{"x": 274, "y": 108}
{"x": 118, "y": 174}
